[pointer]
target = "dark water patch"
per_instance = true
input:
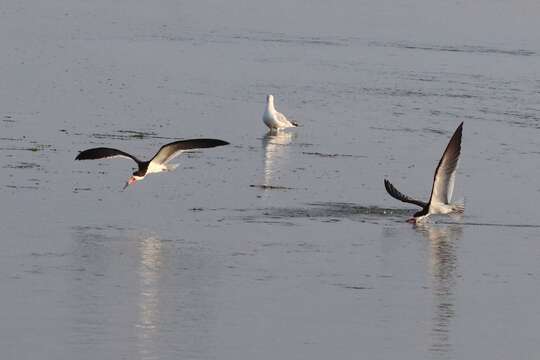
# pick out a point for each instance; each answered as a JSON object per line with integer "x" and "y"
{"x": 194, "y": 93}
{"x": 271, "y": 187}
{"x": 323, "y": 155}
{"x": 98, "y": 228}
{"x": 325, "y": 212}
{"x": 100, "y": 172}
{"x": 420, "y": 77}
{"x": 137, "y": 134}
{"x": 119, "y": 136}
{"x": 259, "y": 37}
{"x": 519, "y": 118}
{"x": 355, "y": 209}
{"x": 331, "y": 220}
{"x": 167, "y": 37}
{"x": 40, "y": 147}
{"x": 241, "y": 253}
{"x": 255, "y": 220}
{"x": 410, "y": 130}
{"x": 78, "y": 190}
{"x": 126, "y": 135}
{"x": 416, "y": 93}
{"x": 22, "y": 187}
{"x": 403, "y": 129}
{"x": 435, "y": 131}
{"x": 287, "y": 39}
{"x": 32, "y": 148}
{"x": 23, "y": 165}
{"x": 11, "y": 139}
{"x": 304, "y": 145}
{"x": 473, "y": 49}
{"x": 48, "y": 254}
{"x": 354, "y": 287}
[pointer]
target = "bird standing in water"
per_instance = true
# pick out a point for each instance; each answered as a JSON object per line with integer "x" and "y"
{"x": 273, "y": 118}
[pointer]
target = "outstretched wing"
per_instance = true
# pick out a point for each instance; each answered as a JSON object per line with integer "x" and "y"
{"x": 104, "y": 153}
{"x": 172, "y": 150}
{"x": 445, "y": 174}
{"x": 401, "y": 197}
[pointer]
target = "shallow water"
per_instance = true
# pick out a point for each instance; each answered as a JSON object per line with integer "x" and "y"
{"x": 279, "y": 245}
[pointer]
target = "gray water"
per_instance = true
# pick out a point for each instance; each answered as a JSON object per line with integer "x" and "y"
{"x": 275, "y": 247}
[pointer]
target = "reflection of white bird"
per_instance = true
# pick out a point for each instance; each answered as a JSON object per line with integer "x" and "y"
{"x": 275, "y": 146}
{"x": 273, "y": 118}
{"x": 149, "y": 271}
{"x": 443, "y": 184}
{"x": 443, "y": 241}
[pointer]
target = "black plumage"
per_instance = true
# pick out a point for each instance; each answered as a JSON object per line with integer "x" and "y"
{"x": 165, "y": 154}
{"x": 443, "y": 179}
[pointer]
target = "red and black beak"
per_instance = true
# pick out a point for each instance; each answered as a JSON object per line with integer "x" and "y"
{"x": 130, "y": 181}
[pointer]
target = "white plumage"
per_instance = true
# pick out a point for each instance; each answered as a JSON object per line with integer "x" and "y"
{"x": 273, "y": 118}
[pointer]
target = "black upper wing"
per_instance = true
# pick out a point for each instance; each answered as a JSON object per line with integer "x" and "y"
{"x": 171, "y": 150}
{"x": 104, "y": 153}
{"x": 399, "y": 196}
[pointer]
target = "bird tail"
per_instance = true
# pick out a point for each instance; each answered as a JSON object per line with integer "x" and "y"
{"x": 458, "y": 207}
{"x": 294, "y": 123}
{"x": 171, "y": 167}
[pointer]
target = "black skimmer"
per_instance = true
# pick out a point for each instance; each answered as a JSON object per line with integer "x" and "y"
{"x": 158, "y": 163}
{"x": 443, "y": 184}
{"x": 273, "y": 118}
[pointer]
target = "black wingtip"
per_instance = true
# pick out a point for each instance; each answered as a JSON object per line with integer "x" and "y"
{"x": 458, "y": 133}
{"x": 459, "y": 129}
{"x": 210, "y": 142}
{"x": 89, "y": 154}
{"x": 388, "y": 186}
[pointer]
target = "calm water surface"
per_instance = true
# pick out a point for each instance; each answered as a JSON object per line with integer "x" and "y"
{"x": 277, "y": 246}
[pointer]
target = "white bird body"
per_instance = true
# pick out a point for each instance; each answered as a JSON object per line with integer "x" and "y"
{"x": 157, "y": 168}
{"x": 273, "y": 118}
{"x": 439, "y": 208}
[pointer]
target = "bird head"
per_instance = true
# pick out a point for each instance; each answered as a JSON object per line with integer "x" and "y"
{"x": 418, "y": 217}
{"x": 269, "y": 98}
{"x": 132, "y": 180}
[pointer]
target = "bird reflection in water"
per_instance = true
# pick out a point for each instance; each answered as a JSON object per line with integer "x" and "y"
{"x": 443, "y": 239}
{"x": 148, "y": 313}
{"x": 275, "y": 154}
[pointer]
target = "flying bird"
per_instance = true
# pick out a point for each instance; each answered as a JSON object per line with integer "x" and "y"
{"x": 443, "y": 184}
{"x": 160, "y": 161}
{"x": 273, "y": 118}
